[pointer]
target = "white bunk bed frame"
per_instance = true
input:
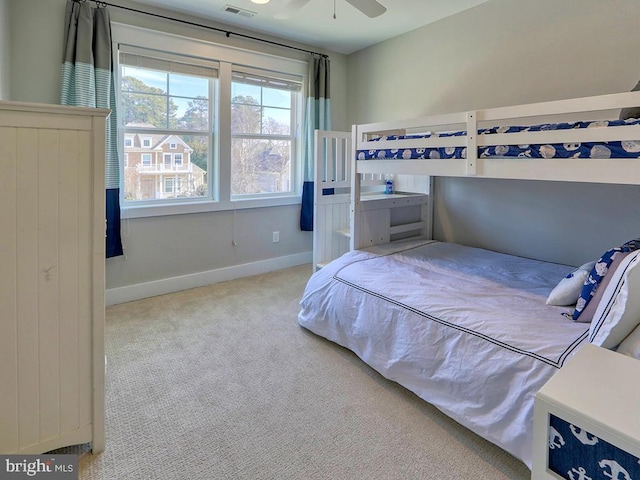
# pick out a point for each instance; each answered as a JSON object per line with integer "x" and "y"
{"x": 610, "y": 170}
{"x": 383, "y": 218}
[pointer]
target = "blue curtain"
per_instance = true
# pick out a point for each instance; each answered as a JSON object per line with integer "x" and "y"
{"x": 88, "y": 81}
{"x": 318, "y": 117}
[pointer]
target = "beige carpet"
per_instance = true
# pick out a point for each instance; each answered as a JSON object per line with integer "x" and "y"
{"x": 220, "y": 382}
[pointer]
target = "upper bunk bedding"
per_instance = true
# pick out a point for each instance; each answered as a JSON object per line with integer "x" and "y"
{"x": 465, "y": 329}
{"x": 554, "y": 140}
{"x": 587, "y": 149}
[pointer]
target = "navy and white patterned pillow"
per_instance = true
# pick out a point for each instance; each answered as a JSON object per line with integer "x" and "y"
{"x": 598, "y": 273}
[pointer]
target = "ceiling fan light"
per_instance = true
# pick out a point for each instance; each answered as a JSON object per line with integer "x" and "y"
{"x": 260, "y": 2}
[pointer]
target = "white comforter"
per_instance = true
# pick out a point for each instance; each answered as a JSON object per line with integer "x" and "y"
{"x": 466, "y": 329}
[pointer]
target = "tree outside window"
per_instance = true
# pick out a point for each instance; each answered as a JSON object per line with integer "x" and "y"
{"x": 263, "y": 137}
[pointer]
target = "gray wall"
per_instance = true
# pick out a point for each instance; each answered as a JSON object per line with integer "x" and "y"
{"x": 4, "y": 49}
{"x": 502, "y": 52}
{"x": 164, "y": 247}
{"x": 507, "y": 52}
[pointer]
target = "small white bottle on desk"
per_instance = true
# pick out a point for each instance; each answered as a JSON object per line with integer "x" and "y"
{"x": 388, "y": 184}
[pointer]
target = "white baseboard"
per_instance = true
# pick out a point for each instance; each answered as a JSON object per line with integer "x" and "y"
{"x": 114, "y": 296}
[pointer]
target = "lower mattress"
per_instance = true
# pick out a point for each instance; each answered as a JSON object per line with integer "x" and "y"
{"x": 465, "y": 329}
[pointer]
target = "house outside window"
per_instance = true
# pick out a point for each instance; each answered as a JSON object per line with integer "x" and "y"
{"x": 168, "y": 106}
{"x": 230, "y": 119}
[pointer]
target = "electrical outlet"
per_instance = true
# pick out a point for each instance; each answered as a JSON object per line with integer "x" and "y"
{"x": 276, "y": 237}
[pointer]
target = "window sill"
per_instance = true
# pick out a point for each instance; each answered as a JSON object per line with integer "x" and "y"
{"x": 159, "y": 210}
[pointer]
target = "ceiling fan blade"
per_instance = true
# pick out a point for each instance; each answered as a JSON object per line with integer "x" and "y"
{"x": 291, "y": 8}
{"x": 370, "y": 8}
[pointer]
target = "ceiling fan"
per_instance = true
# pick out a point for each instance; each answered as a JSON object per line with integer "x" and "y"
{"x": 371, "y": 8}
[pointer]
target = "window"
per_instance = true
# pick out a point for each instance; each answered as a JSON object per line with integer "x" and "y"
{"x": 211, "y": 127}
{"x": 173, "y": 185}
{"x": 262, "y": 132}
{"x": 161, "y": 98}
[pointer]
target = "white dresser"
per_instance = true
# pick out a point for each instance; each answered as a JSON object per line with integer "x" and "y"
{"x": 52, "y": 243}
{"x": 587, "y": 419}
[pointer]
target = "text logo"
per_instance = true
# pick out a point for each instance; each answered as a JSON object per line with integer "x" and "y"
{"x": 49, "y": 467}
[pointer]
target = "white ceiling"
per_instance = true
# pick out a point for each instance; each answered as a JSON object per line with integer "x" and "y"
{"x": 314, "y": 24}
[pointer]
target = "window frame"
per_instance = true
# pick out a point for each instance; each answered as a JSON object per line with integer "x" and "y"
{"x": 293, "y": 111}
{"x": 220, "y": 175}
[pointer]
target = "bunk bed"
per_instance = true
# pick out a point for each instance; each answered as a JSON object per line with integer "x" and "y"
{"x": 391, "y": 215}
{"x": 466, "y": 329}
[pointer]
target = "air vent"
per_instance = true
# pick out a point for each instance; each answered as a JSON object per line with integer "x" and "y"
{"x": 238, "y": 11}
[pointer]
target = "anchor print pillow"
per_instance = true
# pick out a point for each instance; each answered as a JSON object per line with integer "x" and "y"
{"x": 597, "y": 274}
{"x": 618, "y": 312}
{"x": 589, "y": 311}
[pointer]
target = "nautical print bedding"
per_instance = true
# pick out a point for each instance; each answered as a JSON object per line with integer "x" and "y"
{"x": 615, "y": 149}
{"x": 465, "y": 329}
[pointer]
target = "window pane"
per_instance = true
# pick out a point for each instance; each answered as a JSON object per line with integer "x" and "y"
{"x": 243, "y": 90}
{"x": 246, "y": 116}
{"x": 260, "y": 166}
{"x": 146, "y": 104}
{"x": 150, "y": 169}
{"x": 193, "y": 113}
{"x": 188, "y": 86}
{"x": 273, "y": 97}
{"x": 276, "y": 121}
{"x": 143, "y": 80}
{"x": 144, "y": 110}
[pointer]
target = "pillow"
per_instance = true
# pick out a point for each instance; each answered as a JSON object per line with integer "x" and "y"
{"x": 598, "y": 272}
{"x": 588, "y": 312}
{"x": 631, "y": 112}
{"x": 618, "y": 312}
{"x": 567, "y": 291}
{"x": 630, "y": 346}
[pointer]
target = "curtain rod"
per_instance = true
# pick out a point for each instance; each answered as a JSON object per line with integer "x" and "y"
{"x": 101, "y": 4}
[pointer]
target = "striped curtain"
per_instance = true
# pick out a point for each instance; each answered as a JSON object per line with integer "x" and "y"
{"x": 318, "y": 117}
{"x": 88, "y": 81}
